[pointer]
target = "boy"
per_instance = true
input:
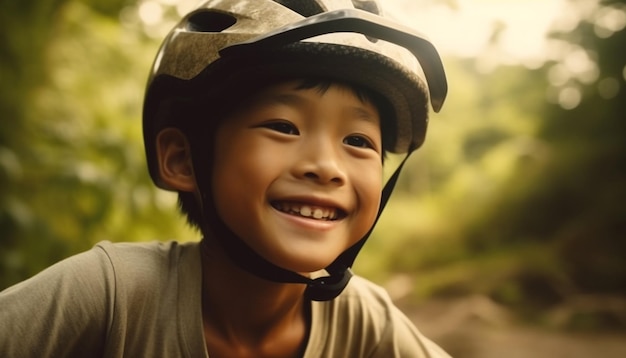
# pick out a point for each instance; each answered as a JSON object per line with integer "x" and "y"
{"x": 274, "y": 139}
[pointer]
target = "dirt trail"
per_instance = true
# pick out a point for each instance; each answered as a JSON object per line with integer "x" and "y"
{"x": 474, "y": 327}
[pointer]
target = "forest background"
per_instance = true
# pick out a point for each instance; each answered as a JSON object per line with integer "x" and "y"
{"x": 517, "y": 196}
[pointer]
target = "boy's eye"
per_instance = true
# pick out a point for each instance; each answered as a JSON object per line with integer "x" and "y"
{"x": 282, "y": 127}
{"x": 358, "y": 141}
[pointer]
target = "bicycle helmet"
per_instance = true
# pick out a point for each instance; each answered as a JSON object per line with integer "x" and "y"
{"x": 226, "y": 43}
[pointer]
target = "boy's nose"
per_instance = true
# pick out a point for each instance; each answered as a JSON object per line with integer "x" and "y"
{"x": 320, "y": 164}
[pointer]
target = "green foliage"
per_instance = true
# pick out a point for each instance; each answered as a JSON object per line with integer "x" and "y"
{"x": 574, "y": 198}
{"x": 76, "y": 168}
{"x": 109, "y": 8}
{"x": 23, "y": 35}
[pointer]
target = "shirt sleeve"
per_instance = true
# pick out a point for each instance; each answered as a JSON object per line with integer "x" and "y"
{"x": 62, "y": 311}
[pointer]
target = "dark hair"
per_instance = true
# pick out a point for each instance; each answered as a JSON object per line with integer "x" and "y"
{"x": 189, "y": 114}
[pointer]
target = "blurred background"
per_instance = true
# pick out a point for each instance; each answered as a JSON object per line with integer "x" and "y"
{"x": 506, "y": 235}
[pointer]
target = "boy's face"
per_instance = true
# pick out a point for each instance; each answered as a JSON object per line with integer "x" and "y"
{"x": 298, "y": 173}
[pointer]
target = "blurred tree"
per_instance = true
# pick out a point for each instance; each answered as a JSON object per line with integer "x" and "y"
{"x": 71, "y": 158}
{"x": 569, "y": 201}
{"x": 24, "y": 33}
{"x": 586, "y": 185}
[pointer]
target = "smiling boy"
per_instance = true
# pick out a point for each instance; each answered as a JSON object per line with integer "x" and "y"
{"x": 303, "y": 170}
{"x": 274, "y": 139}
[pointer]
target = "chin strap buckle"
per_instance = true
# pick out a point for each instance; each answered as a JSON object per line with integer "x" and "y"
{"x": 328, "y": 287}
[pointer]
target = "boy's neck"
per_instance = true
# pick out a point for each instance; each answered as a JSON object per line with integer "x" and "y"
{"x": 249, "y": 314}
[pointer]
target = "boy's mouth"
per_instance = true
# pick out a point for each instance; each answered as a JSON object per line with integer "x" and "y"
{"x": 308, "y": 211}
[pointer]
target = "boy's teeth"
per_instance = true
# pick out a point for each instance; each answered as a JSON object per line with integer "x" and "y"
{"x": 308, "y": 211}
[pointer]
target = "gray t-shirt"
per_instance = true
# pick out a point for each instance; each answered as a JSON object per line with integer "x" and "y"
{"x": 144, "y": 300}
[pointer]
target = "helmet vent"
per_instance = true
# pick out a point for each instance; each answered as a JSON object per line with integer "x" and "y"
{"x": 367, "y": 5}
{"x": 304, "y": 8}
{"x": 210, "y": 21}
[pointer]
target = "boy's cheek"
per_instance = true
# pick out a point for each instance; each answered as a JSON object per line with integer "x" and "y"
{"x": 370, "y": 185}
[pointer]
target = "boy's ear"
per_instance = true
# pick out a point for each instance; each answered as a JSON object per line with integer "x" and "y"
{"x": 174, "y": 158}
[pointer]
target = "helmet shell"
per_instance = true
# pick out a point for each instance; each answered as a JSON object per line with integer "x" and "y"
{"x": 191, "y": 60}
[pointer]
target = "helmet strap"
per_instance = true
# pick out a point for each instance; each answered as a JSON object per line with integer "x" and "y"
{"x": 329, "y": 287}
{"x": 346, "y": 259}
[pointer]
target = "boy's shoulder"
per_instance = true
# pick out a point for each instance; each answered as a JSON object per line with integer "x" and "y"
{"x": 364, "y": 321}
{"x": 156, "y": 282}
{"x": 109, "y": 293}
{"x": 361, "y": 303}
{"x": 145, "y": 262}
{"x": 365, "y": 295}
{"x": 352, "y": 324}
